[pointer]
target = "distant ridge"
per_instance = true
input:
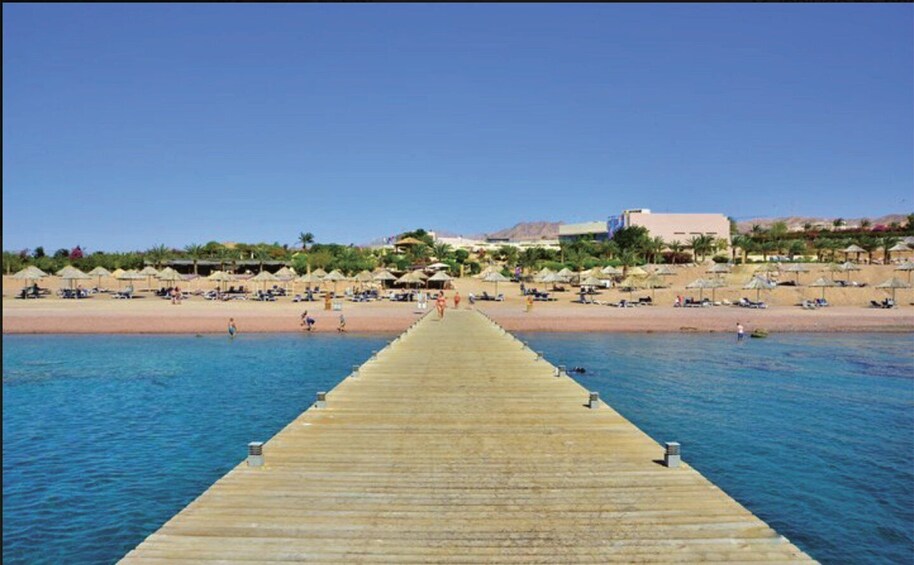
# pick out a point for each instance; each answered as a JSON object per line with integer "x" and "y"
{"x": 799, "y": 221}
{"x": 528, "y": 231}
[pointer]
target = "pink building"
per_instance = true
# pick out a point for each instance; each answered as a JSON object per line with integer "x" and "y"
{"x": 679, "y": 227}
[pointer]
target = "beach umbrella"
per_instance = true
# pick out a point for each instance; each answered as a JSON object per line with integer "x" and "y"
{"x": 220, "y": 277}
{"x": 117, "y": 272}
{"x": 759, "y": 284}
{"x": 719, "y": 268}
{"x": 591, "y": 281}
{"x": 847, "y": 267}
{"x": 768, "y": 268}
{"x": 30, "y": 273}
{"x": 73, "y": 275}
{"x": 64, "y": 270}
{"x": 635, "y": 271}
{"x": 170, "y": 275}
{"x": 853, "y": 248}
{"x": 899, "y": 247}
{"x": 701, "y": 285}
{"x": 796, "y": 268}
{"x": 364, "y": 276}
{"x": 335, "y": 276}
{"x": 906, "y": 266}
{"x": 149, "y": 272}
{"x": 440, "y": 276}
{"x": 652, "y": 282}
{"x": 631, "y": 283}
{"x": 384, "y": 276}
{"x": 99, "y": 272}
{"x": 566, "y": 272}
{"x": 264, "y": 277}
{"x": 824, "y": 283}
{"x": 664, "y": 270}
{"x": 495, "y": 277}
{"x": 893, "y": 284}
{"x": 832, "y": 268}
{"x": 319, "y": 273}
{"x": 438, "y": 266}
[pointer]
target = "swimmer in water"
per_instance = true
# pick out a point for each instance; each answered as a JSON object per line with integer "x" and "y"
{"x": 232, "y": 329}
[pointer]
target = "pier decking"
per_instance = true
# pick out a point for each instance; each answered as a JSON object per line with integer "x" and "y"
{"x": 455, "y": 444}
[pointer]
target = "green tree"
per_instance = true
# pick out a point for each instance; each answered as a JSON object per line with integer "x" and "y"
{"x": 838, "y": 223}
{"x": 866, "y": 224}
{"x": 157, "y": 255}
{"x": 194, "y": 252}
{"x": 442, "y": 251}
{"x": 306, "y": 238}
{"x": 796, "y": 247}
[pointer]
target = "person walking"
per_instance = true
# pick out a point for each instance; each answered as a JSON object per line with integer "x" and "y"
{"x": 529, "y": 301}
{"x": 342, "y": 327}
{"x": 232, "y": 329}
{"x": 456, "y": 300}
{"x": 441, "y": 304}
{"x": 739, "y": 332}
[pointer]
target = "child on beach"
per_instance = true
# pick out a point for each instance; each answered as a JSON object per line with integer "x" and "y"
{"x": 739, "y": 332}
{"x": 307, "y": 321}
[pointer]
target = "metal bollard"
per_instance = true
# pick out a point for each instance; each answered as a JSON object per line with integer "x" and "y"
{"x": 671, "y": 457}
{"x": 255, "y": 454}
{"x": 321, "y": 401}
{"x": 594, "y": 400}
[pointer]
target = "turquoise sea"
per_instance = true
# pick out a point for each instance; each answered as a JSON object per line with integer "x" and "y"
{"x": 106, "y": 437}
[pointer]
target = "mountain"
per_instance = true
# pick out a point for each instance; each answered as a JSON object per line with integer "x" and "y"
{"x": 528, "y": 231}
{"x": 797, "y": 222}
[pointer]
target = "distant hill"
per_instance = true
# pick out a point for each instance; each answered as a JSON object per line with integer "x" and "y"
{"x": 799, "y": 221}
{"x": 528, "y": 231}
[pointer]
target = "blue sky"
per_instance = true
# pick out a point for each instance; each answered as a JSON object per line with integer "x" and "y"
{"x": 126, "y": 126}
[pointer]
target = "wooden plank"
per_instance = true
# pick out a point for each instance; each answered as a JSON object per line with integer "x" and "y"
{"x": 456, "y": 444}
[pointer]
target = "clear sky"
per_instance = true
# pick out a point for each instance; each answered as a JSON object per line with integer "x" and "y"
{"x": 126, "y": 126}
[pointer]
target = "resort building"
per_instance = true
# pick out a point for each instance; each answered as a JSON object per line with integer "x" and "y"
{"x": 673, "y": 227}
{"x": 589, "y": 230}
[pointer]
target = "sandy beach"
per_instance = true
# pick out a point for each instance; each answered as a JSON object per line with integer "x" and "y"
{"x": 150, "y": 314}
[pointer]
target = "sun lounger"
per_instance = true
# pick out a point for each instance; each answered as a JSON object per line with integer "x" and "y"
{"x": 808, "y": 305}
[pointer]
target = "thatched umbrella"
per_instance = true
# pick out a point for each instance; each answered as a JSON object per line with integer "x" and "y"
{"x": 117, "y": 272}
{"x": 383, "y": 276}
{"x": 440, "y": 276}
{"x": 319, "y": 273}
{"x": 552, "y": 278}
{"x": 893, "y": 284}
{"x": 759, "y": 284}
{"x": 335, "y": 276}
{"x": 832, "y": 268}
{"x": 566, "y": 272}
{"x": 64, "y": 270}
{"x": 129, "y": 275}
{"x": 149, "y": 272}
{"x": 285, "y": 274}
{"x": 635, "y": 271}
{"x": 495, "y": 277}
{"x": 542, "y": 274}
{"x": 99, "y": 272}
{"x": 74, "y": 275}
{"x": 796, "y": 268}
{"x": 768, "y": 268}
{"x": 438, "y": 266}
{"x": 221, "y": 277}
{"x": 853, "y": 248}
{"x": 264, "y": 277}
{"x": 847, "y": 267}
{"x": 824, "y": 283}
{"x": 701, "y": 285}
{"x": 719, "y": 268}
{"x": 631, "y": 283}
{"x": 664, "y": 271}
{"x": 906, "y": 266}
{"x": 30, "y": 273}
{"x": 591, "y": 281}
{"x": 900, "y": 247}
{"x": 170, "y": 275}
{"x": 653, "y": 281}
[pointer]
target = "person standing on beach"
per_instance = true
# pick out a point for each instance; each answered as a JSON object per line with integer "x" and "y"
{"x": 456, "y": 300}
{"x": 441, "y": 304}
{"x": 342, "y": 327}
{"x": 232, "y": 329}
{"x": 529, "y": 302}
{"x": 739, "y": 332}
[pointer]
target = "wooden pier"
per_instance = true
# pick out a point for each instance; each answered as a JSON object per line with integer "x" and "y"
{"x": 457, "y": 444}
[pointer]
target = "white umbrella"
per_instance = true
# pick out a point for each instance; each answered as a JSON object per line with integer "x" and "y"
{"x": 437, "y": 266}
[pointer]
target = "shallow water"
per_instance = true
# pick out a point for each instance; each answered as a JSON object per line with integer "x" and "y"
{"x": 107, "y": 437}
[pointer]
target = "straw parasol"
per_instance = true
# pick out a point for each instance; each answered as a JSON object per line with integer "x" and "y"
{"x": 149, "y": 272}
{"x": 335, "y": 276}
{"x": 384, "y": 276}
{"x": 652, "y": 282}
{"x": 832, "y": 268}
{"x": 591, "y": 281}
{"x": 701, "y": 285}
{"x": 99, "y": 272}
{"x": 853, "y": 248}
{"x": 264, "y": 277}
{"x": 170, "y": 275}
{"x": 64, "y": 270}
{"x": 117, "y": 272}
{"x": 440, "y": 276}
{"x": 847, "y": 267}
{"x": 719, "y": 268}
{"x": 30, "y": 273}
{"x": 364, "y": 276}
{"x": 635, "y": 271}
{"x": 285, "y": 274}
{"x": 906, "y": 266}
{"x": 319, "y": 273}
{"x": 664, "y": 271}
{"x": 220, "y": 277}
{"x": 759, "y": 284}
{"x": 74, "y": 275}
{"x": 893, "y": 284}
{"x": 796, "y": 268}
{"x": 495, "y": 277}
{"x": 566, "y": 272}
{"x": 824, "y": 283}
{"x": 768, "y": 268}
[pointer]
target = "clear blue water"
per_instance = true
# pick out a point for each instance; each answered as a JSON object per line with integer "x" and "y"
{"x": 106, "y": 437}
{"x": 813, "y": 433}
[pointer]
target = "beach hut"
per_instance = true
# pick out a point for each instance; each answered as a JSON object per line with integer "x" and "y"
{"x": 853, "y": 248}
{"x": 823, "y": 283}
{"x": 796, "y": 268}
{"x": 99, "y": 272}
{"x": 906, "y": 266}
{"x": 759, "y": 284}
{"x": 719, "y": 268}
{"x": 893, "y": 284}
{"x": 496, "y": 278}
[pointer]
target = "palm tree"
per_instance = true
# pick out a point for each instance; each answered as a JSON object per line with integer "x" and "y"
{"x": 676, "y": 248}
{"x": 865, "y": 224}
{"x": 157, "y": 255}
{"x": 886, "y": 243}
{"x": 838, "y": 222}
{"x": 442, "y": 251}
{"x": 195, "y": 253}
{"x": 701, "y": 246}
{"x": 652, "y": 247}
{"x": 306, "y": 238}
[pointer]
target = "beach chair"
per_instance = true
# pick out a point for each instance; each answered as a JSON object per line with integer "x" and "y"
{"x": 875, "y": 304}
{"x": 808, "y": 305}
